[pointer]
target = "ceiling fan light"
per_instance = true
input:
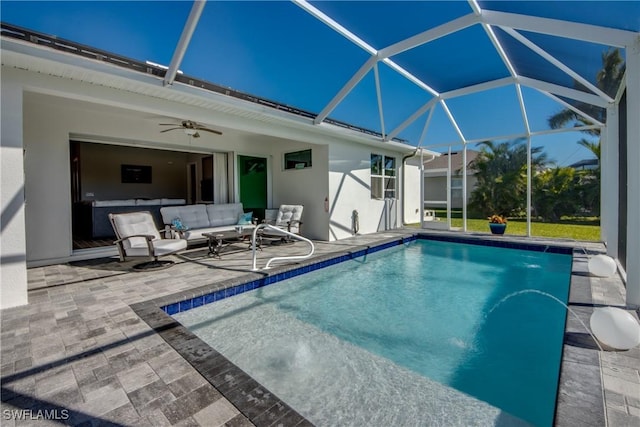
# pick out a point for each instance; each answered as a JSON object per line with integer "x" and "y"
{"x": 190, "y": 132}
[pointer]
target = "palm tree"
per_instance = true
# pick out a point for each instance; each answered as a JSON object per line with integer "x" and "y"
{"x": 592, "y": 146}
{"x": 608, "y": 80}
{"x": 501, "y": 173}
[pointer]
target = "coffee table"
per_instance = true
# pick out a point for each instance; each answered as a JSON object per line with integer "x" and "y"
{"x": 219, "y": 240}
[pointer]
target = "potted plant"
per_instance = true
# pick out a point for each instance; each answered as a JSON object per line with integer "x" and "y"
{"x": 497, "y": 224}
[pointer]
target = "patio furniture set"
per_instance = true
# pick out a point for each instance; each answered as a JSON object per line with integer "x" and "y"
{"x": 219, "y": 225}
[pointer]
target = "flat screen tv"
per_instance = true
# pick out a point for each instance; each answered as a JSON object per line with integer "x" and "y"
{"x": 135, "y": 174}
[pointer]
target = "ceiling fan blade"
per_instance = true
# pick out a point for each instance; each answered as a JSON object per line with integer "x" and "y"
{"x": 168, "y": 124}
{"x": 167, "y": 130}
{"x": 210, "y": 130}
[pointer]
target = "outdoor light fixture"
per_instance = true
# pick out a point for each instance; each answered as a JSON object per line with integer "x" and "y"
{"x": 615, "y": 328}
{"x": 602, "y": 266}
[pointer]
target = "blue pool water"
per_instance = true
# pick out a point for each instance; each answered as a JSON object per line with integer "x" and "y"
{"x": 410, "y": 335}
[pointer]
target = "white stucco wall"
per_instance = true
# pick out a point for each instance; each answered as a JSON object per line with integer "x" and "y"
{"x": 350, "y": 189}
{"x": 411, "y": 194}
{"x": 13, "y": 271}
{"x": 56, "y": 110}
{"x": 306, "y": 187}
{"x": 51, "y": 122}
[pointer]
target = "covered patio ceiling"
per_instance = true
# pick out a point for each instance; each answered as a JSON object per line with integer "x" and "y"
{"x": 428, "y": 72}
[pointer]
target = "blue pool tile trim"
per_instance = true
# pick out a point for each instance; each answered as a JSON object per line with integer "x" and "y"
{"x": 197, "y": 301}
{"x": 500, "y": 244}
{"x": 188, "y": 304}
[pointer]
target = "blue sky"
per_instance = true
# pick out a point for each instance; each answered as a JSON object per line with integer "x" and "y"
{"x": 276, "y": 50}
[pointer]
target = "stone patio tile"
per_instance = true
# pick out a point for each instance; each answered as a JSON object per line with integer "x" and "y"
{"x": 156, "y": 418}
{"x": 137, "y": 377}
{"x": 621, "y": 419}
{"x": 93, "y": 390}
{"x": 173, "y": 370}
{"x": 191, "y": 403}
{"x": 64, "y": 379}
{"x": 187, "y": 383}
{"x": 156, "y": 390}
{"x": 621, "y": 386}
{"x": 125, "y": 415}
{"x": 216, "y": 414}
{"x": 238, "y": 421}
{"x": 627, "y": 374}
{"x": 104, "y": 402}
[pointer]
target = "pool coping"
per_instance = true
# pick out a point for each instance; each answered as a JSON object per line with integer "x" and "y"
{"x": 580, "y": 396}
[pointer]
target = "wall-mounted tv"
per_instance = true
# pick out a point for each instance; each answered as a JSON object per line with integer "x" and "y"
{"x": 135, "y": 174}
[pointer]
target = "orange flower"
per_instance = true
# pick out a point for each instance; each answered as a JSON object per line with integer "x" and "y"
{"x": 497, "y": 219}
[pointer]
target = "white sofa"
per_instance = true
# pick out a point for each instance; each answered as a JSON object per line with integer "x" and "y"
{"x": 201, "y": 218}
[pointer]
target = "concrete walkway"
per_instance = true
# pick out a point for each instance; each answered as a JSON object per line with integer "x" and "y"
{"x": 80, "y": 354}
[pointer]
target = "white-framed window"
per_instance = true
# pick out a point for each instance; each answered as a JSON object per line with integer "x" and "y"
{"x": 297, "y": 160}
{"x": 383, "y": 177}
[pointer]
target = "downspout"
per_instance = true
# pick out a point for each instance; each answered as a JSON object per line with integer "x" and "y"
{"x": 402, "y": 179}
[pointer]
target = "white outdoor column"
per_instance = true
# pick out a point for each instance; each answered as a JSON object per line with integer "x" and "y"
{"x": 633, "y": 174}
{"x": 609, "y": 203}
{"x": 464, "y": 187}
{"x": 13, "y": 264}
{"x": 421, "y": 188}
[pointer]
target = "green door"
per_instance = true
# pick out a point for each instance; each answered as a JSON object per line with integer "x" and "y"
{"x": 252, "y": 173}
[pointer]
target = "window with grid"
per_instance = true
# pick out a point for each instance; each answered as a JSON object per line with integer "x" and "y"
{"x": 383, "y": 177}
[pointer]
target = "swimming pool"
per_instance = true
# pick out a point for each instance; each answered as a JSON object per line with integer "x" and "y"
{"x": 404, "y": 336}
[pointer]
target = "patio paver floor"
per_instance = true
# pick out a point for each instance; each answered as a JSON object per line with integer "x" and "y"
{"x": 79, "y": 351}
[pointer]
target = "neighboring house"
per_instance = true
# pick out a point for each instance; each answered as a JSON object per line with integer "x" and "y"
{"x": 586, "y": 164}
{"x": 77, "y": 129}
{"x": 435, "y": 179}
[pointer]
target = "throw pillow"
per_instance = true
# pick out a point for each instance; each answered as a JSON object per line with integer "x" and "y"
{"x": 245, "y": 218}
{"x": 178, "y": 225}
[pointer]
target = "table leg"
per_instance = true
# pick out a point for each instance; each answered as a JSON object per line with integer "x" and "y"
{"x": 215, "y": 245}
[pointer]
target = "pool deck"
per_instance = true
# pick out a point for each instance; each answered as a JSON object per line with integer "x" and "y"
{"x": 81, "y": 350}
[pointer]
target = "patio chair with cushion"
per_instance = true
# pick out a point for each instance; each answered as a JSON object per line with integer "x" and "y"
{"x": 137, "y": 236}
{"x": 287, "y": 217}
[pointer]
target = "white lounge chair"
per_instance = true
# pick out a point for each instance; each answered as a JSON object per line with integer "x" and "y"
{"x": 287, "y": 217}
{"x": 137, "y": 236}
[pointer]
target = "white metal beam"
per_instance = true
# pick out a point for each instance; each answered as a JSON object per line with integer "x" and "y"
{"x": 379, "y": 96}
{"x": 410, "y": 77}
{"x": 563, "y": 91}
{"x": 609, "y": 185}
{"x": 515, "y": 136}
{"x": 523, "y": 109}
{"x": 480, "y": 87}
{"x": 423, "y": 135}
{"x": 183, "y": 43}
{"x": 543, "y": 53}
{"x": 419, "y": 112}
{"x": 321, "y": 16}
{"x": 361, "y": 43}
{"x": 453, "y": 121}
{"x": 353, "y": 81}
{"x": 633, "y": 175}
{"x": 572, "y": 108}
{"x": 556, "y": 27}
{"x": 429, "y": 35}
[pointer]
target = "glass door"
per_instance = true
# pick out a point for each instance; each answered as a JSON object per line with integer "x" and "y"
{"x": 252, "y": 178}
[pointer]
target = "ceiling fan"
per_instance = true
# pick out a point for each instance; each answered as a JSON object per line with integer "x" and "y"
{"x": 189, "y": 127}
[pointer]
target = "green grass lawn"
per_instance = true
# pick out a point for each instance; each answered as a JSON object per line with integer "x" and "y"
{"x": 576, "y": 229}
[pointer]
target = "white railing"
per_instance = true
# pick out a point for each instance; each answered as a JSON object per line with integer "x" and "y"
{"x": 278, "y": 258}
